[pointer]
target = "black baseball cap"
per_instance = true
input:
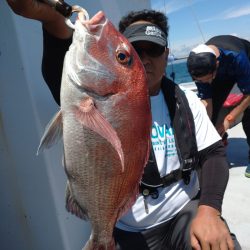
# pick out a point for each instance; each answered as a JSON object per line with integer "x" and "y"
{"x": 146, "y": 32}
{"x": 201, "y": 61}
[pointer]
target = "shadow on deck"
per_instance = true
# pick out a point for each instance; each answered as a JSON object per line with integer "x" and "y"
{"x": 236, "y": 202}
{"x": 237, "y": 152}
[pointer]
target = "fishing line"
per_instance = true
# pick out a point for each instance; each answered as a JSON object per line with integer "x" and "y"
{"x": 170, "y": 61}
{"x": 196, "y": 19}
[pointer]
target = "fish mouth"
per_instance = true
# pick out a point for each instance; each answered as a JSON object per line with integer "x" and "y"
{"x": 84, "y": 70}
{"x": 84, "y": 64}
{"x": 95, "y": 24}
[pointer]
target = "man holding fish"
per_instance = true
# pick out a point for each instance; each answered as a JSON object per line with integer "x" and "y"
{"x": 181, "y": 215}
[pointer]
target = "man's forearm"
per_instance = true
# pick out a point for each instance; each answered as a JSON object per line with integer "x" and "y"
{"x": 52, "y": 21}
{"x": 54, "y": 50}
{"x": 214, "y": 175}
{"x": 239, "y": 109}
{"x": 57, "y": 26}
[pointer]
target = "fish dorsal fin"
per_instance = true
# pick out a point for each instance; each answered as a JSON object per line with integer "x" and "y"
{"x": 89, "y": 116}
{"x": 53, "y": 132}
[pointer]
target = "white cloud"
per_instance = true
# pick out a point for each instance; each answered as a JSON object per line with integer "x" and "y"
{"x": 230, "y": 13}
{"x": 172, "y": 5}
{"x": 181, "y": 49}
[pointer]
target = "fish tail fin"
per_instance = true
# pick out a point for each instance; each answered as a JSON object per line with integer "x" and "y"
{"x": 93, "y": 245}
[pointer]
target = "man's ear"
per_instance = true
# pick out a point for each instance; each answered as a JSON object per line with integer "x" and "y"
{"x": 166, "y": 53}
{"x": 217, "y": 64}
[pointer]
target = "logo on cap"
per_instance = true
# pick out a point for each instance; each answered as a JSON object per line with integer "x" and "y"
{"x": 153, "y": 31}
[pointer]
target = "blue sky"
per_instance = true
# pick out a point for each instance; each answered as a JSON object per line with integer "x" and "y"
{"x": 193, "y": 21}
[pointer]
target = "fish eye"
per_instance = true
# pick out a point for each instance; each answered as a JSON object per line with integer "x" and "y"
{"x": 123, "y": 57}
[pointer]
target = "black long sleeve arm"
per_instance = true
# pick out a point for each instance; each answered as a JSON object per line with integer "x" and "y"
{"x": 54, "y": 50}
{"x": 214, "y": 175}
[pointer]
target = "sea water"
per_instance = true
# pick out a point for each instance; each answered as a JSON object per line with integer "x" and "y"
{"x": 178, "y": 72}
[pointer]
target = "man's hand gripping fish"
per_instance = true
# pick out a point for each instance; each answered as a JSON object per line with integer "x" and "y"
{"x": 105, "y": 120}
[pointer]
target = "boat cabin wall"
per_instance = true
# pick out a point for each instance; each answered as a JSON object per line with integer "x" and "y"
{"x": 32, "y": 188}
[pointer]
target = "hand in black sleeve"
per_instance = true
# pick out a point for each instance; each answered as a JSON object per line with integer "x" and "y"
{"x": 54, "y": 50}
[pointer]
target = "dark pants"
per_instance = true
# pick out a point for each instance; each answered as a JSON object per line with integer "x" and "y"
{"x": 221, "y": 90}
{"x": 171, "y": 235}
{"x": 246, "y": 127}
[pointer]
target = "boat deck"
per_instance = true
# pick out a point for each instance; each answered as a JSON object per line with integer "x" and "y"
{"x": 236, "y": 203}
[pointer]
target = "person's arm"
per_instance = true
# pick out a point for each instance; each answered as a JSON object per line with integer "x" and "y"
{"x": 242, "y": 78}
{"x": 235, "y": 113}
{"x": 54, "y": 50}
{"x": 52, "y": 21}
{"x": 239, "y": 109}
{"x": 208, "y": 229}
{"x": 214, "y": 175}
{"x": 56, "y": 39}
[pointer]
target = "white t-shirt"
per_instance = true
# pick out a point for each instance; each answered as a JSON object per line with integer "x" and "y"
{"x": 174, "y": 197}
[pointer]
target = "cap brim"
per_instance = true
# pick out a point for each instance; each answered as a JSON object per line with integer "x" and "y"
{"x": 152, "y": 39}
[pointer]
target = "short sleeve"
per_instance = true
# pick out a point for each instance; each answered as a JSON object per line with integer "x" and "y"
{"x": 243, "y": 73}
{"x": 206, "y": 134}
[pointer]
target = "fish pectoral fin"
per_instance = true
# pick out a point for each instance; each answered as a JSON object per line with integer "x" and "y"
{"x": 53, "y": 132}
{"x": 72, "y": 205}
{"x": 89, "y": 116}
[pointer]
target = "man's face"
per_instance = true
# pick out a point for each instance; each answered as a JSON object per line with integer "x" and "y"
{"x": 207, "y": 79}
{"x": 154, "y": 59}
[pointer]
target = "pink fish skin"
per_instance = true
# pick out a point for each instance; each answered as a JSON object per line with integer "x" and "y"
{"x": 105, "y": 120}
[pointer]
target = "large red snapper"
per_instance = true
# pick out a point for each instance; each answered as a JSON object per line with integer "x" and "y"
{"x": 105, "y": 120}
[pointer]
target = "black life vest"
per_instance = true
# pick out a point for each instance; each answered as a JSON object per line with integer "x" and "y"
{"x": 184, "y": 132}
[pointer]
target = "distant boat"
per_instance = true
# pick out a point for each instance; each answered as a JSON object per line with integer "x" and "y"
{"x": 172, "y": 58}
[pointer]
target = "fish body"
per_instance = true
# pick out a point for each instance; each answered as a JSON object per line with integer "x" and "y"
{"x": 105, "y": 120}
